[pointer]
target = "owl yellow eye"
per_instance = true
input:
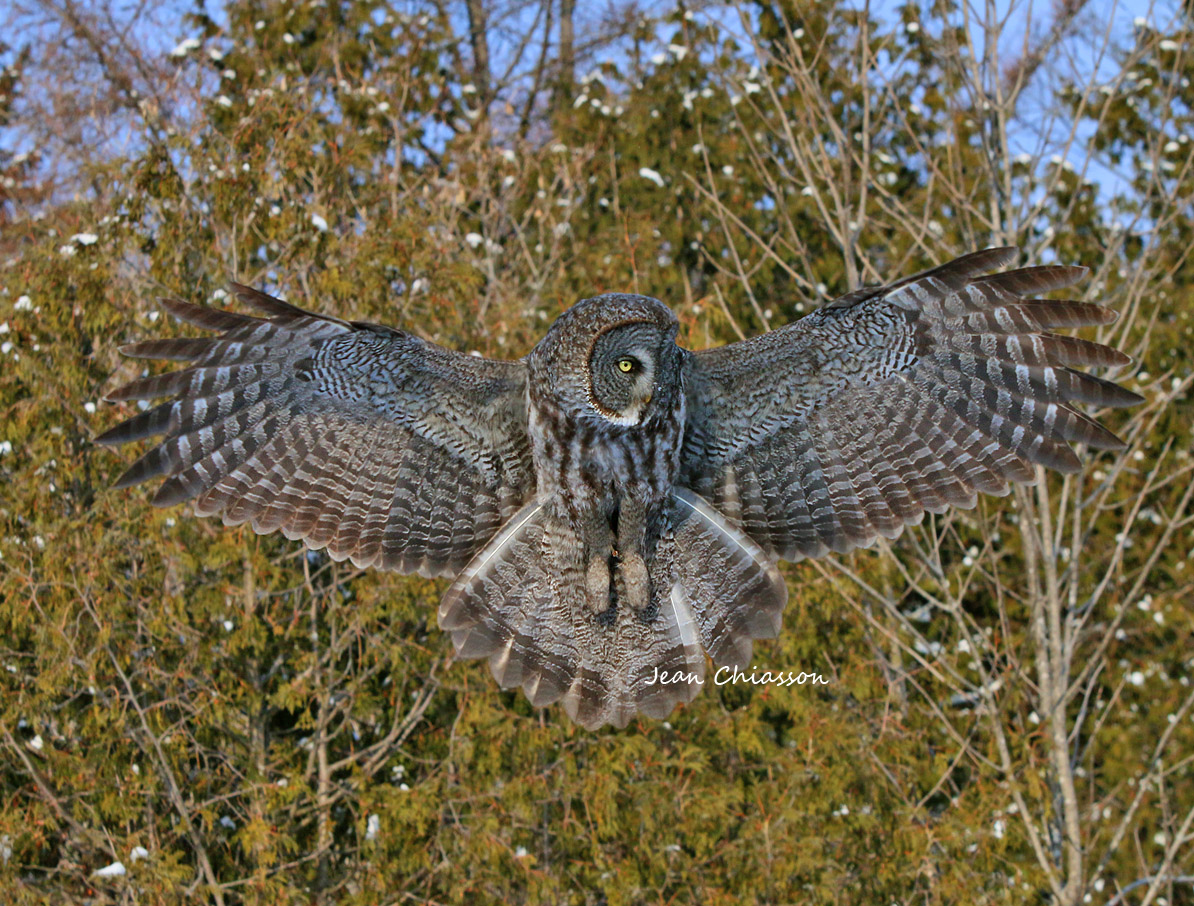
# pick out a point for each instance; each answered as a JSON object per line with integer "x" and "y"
{"x": 626, "y": 365}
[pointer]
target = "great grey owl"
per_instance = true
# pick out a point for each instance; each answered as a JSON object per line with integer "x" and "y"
{"x": 613, "y": 505}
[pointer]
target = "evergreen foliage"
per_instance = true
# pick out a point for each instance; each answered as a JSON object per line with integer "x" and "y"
{"x": 1009, "y": 714}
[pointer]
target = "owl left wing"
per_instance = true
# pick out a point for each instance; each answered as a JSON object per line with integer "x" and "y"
{"x": 853, "y": 421}
{"x": 366, "y": 440}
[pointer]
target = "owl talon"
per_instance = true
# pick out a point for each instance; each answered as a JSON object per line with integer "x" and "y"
{"x": 597, "y": 585}
{"x": 636, "y": 581}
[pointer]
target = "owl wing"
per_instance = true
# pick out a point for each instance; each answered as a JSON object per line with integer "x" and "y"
{"x": 853, "y": 421}
{"x": 383, "y": 448}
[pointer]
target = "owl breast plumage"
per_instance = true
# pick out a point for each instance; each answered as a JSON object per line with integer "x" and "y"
{"x": 612, "y": 506}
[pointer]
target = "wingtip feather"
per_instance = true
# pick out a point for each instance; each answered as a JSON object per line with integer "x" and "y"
{"x": 109, "y": 438}
{"x": 263, "y": 302}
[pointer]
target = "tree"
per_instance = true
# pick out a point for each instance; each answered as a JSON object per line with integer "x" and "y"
{"x": 229, "y": 718}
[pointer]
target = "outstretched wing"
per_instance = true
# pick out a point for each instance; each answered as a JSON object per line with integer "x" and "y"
{"x": 368, "y": 441}
{"x": 854, "y": 420}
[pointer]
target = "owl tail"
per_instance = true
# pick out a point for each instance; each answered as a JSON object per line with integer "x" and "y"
{"x": 521, "y": 604}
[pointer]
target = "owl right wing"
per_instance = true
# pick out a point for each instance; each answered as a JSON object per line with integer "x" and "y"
{"x": 853, "y": 421}
{"x": 367, "y": 441}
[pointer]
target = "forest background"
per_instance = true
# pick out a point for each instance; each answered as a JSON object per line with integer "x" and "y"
{"x": 195, "y": 714}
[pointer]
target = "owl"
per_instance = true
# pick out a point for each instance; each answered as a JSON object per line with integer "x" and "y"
{"x": 612, "y": 506}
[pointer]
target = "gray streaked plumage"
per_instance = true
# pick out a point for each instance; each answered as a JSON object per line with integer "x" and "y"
{"x": 612, "y": 505}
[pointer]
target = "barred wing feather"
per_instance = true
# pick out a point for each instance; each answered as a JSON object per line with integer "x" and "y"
{"x": 367, "y": 441}
{"x": 891, "y": 401}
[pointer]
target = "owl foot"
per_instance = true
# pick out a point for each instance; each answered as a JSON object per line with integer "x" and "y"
{"x": 636, "y": 584}
{"x": 597, "y": 585}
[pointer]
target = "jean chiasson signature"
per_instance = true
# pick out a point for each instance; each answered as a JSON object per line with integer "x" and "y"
{"x": 725, "y": 675}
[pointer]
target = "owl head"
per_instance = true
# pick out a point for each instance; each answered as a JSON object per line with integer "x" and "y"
{"x": 611, "y": 358}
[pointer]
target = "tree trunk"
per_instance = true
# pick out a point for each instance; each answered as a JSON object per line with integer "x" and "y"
{"x": 478, "y": 22}
{"x": 567, "y": 58}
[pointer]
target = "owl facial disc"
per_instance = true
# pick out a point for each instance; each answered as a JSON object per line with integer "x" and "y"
{"x": 610, "y": 362}
{"x": 622, "y": 367}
